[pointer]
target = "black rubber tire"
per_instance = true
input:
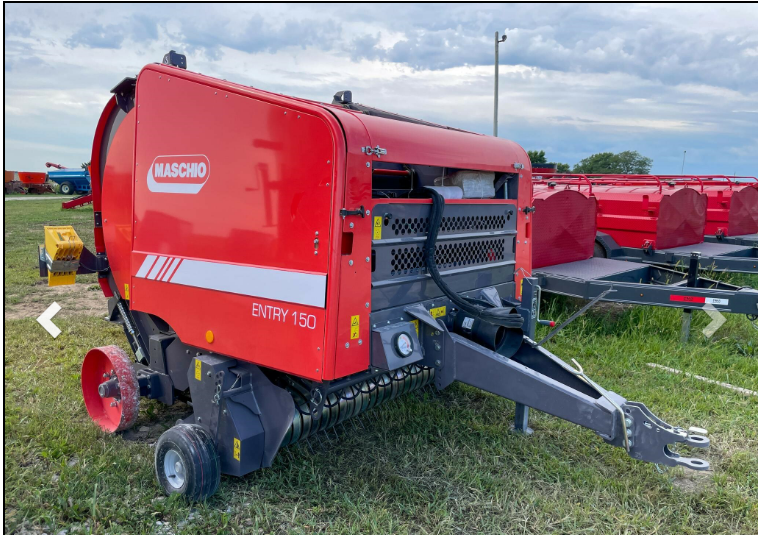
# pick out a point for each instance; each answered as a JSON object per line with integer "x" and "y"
{"x": 67, "y": 188}
{"x": 599, "y": 251}
{"x": 202, "y": 466}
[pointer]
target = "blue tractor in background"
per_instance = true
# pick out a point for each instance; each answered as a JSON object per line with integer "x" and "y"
{"x": 70, "y": 180}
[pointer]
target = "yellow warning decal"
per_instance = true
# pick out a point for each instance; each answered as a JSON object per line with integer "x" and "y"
{"x": 378, "y": 227}
{"x": 237, "y": 448}
{"x": 438, "y": 312}
{"x": 415, "y": 324}
{"x": 198, "y": 369}
{"x": 355, "y": 322}
{"x": 126, "y": 291}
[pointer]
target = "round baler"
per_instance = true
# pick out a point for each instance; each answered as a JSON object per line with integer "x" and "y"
{"x": 285, "y": 265}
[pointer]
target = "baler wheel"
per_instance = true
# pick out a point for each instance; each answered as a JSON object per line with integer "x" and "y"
{"x": 104, "y": 365}
{"x": 187, "y": 463}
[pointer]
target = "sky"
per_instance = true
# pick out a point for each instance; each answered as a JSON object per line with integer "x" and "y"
{"x": 574, "y": 79}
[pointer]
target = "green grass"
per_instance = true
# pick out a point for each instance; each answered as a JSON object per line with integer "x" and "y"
{"x": 423, "y": 463}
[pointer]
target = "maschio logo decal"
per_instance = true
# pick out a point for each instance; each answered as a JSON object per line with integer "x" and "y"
{"x": 178, "y": 174}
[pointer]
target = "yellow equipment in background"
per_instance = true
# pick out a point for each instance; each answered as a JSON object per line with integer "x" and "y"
{"x": 61, "y": 253}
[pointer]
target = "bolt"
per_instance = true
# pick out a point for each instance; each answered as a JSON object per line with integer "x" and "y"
{"x": 199, "y": 419}
{"x": 318, "y": 349}
{"x": 368, "y": 212}
{"x": 315, "y": 252}
{"x": 224, "y": 411}
{"x": 437, "y": 346}
{"x": 368, "y": 259}
{"x": 631, "y": 443}
{"x": 438, "y": 363}
{"x": 114, "y": 403}
{"x": 628, "y": 422}
{"x": 374, "y": 326}
{"x": 328, "y": 161}
{"x": 352, "y": 225}
{"x": 368, "y": 164}
{"x": 105, "y": 376}
{"x": 360, "y": 342}
{"x": 628, "y": 432}
{"x": 436, "y": 333}
{"x": 285, "y": 113}
{"x": 350, "y": 263}
{"x": 347, "y": 344}
{"x": 208, "y": 374}
{"x": 367, "y": 305}
{"x": 317, "y": 233}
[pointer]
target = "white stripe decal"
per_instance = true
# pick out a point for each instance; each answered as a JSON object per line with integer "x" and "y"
{"x": 146, "y": 265}
{"x": 164, "y": 268}
{"x": 170, "y": 269}
{"x": 289, "y": 286}
{"x": 156, "y": 268}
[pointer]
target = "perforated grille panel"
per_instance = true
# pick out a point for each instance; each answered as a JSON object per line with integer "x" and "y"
{"x": 419, "y": 225}
{"x": 410, "y": 260}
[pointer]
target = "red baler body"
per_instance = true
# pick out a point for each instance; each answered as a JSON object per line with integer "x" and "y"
{"x": 251, "y": 258}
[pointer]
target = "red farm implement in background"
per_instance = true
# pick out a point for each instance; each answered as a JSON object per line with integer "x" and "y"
{"x": 645, "y": 218}
{"x": 732, "y": 215}
{"x": 284, "y": 291}
{"x": 34, "y": 182}
{"x": 567, "y": 260}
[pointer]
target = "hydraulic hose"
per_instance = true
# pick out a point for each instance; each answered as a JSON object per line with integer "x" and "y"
{"x": 504, "y": 317}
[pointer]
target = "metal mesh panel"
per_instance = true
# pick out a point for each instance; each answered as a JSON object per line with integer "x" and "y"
{"x": 419, "y": 225}
{"x": 409, "y": 260}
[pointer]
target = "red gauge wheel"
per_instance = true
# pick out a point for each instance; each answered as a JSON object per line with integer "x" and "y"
{"x": 110, "y": 388}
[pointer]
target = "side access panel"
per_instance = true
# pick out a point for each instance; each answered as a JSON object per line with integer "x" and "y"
{"x": 232, "y": 207}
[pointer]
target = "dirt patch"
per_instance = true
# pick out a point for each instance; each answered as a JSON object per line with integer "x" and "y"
{"x": 694, "y": 482}
{"x": 75, "y": 300}
{"x": 150, "y": 431}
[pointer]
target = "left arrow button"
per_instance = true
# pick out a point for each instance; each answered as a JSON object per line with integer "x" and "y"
{"x": 46, "y": 320}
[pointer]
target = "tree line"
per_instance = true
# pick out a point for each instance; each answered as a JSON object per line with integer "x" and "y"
{"x": 628, "y": 162}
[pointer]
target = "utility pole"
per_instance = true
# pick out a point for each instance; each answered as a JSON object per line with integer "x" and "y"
{"x": 498, "y": 40}
{"x": 683, "y": 158}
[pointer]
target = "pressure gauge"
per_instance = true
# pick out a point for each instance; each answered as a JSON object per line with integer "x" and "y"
{"x": 403, "y": 345}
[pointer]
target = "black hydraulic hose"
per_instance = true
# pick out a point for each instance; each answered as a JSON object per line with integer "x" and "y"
{"x": 504, "y": 317}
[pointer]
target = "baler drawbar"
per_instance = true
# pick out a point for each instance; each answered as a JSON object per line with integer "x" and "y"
{"x": 300, "y": 263}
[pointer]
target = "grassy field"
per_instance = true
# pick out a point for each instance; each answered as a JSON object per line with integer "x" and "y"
{"x": 443, "y": 463}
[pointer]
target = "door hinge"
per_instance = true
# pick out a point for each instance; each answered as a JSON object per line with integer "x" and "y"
{"x": 358, "y": 211}
{"x": 377, "y": 151}
{"x": 528, "y": 209}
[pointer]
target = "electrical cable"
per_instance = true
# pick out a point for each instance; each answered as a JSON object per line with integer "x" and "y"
{"x": 504, "y": 317}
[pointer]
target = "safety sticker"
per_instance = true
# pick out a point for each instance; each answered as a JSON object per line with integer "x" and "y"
{"x": 237, "y": 448}
{"x": 378, "y": 228}
{"x": 700, "y": 300}
{"x": 355, "y": 322}
{"x": 198, "y": 370}
{"x": 415, "y": 324}
{"x": 438, "y": 312}
{"x": 126, "y": 292}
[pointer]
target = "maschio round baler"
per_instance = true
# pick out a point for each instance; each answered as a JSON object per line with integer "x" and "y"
{"x": 286, "y": 265}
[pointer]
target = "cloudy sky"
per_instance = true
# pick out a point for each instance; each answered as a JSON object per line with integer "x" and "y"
{"x": 574, "y": 79}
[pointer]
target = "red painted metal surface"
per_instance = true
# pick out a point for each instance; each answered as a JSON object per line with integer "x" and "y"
{"x": 732, "y": 204}
{"x": 564, "y": 224}
{"x": 115, "y": 195}
{"x": 645, "y": 211}
{"x": 78, "y": 201}
{"x": 275, "y": 173}
{"x": 27, "y": 177}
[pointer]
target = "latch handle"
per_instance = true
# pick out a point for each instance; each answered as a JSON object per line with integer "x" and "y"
{"x": 359, "y": 211}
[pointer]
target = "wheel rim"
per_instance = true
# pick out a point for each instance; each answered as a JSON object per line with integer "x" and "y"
{"x": 174, "y": 469}
{"x": 100, "y": 365}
